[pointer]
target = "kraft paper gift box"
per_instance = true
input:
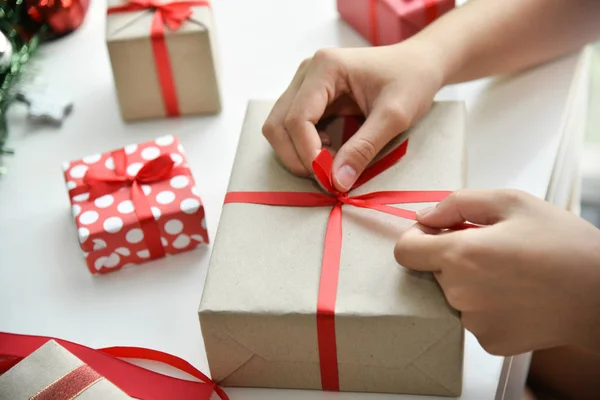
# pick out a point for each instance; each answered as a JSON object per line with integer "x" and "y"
{"x": 161, "y": 68}
{"x": 52, "y": 372}
{"x": 394, "y": 331}
{"x": 130, "y": 207}
{"x": 385, "y": 22}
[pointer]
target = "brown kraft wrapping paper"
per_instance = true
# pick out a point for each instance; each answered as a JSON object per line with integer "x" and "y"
{"x": 193, "y": 57}
{"x": 395, "y": 332}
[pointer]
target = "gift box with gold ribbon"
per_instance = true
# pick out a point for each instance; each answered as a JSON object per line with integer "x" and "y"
{"x": 164, "y": 58}
{"x": 135, "y": 204}
{"x": 303, "y": 290}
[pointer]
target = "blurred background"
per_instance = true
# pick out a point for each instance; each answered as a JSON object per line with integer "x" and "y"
{"x": 590, "y": 165}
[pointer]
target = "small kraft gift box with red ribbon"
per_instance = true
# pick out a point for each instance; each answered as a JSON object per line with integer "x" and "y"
{"x": 303, "y": 290}
{"x": 45, "y": 368}
{"x": 135, "y": 204}
{"x": 164, "y": 58}
{"x": 51, "y": 373}
{"x": 385, "y": 22}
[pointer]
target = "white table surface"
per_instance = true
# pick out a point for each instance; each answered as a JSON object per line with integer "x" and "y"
{"x": 45, "y": 287}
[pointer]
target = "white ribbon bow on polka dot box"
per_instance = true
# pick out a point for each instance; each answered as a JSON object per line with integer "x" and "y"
{"x": 135, "y": 204}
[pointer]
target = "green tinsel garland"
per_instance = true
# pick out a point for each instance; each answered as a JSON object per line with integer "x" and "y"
{"x": 13, "y": 22}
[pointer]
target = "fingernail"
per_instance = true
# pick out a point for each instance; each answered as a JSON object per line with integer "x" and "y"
{"x": 346, "y": 176}
{"x": 424, "y": 211}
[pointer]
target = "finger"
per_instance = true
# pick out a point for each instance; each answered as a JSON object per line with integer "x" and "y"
{"x": 381, "y": 126}
{"x": 274, "y": 128}
{"x": 483, "y": 207}
{"x": 316, "y": 92}
{"x": 417, "y": 248}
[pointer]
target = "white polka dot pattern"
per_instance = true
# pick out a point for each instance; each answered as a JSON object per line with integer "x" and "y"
{"x": 99, "y": 244}
{"x": 81, "y": 197}
{"x": 109, "y": 163}
{"x": 173, "y": 227}
{"x": 165, "y": 140}
{"x": 125, "y": 207}
{"x": 84, "y": 234}
{"x": 177, "y": 158}
{"x": 165, "y": 197}
{"x": 179, "y": 182}
{"x": 135, "y": 235}
{"x": 124, "y": 251}
{"x": 108, "y": 228}
{"x": 88, "y": 217}
{"x": 113, "y": 224}
{"x": 130, "y": 149}
{"x": 104, "y": 201}
{"x": 181, "y": 242}
{"x": 134, "y": 168}
{"x": 143, "y": 254}
{"x": 94, "y": 158}
{"x": 150, "y": 153}
{"x": 190, "y": 206}
{"x": 78, "y": 171}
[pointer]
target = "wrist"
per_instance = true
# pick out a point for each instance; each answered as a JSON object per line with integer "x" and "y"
{"x": 437, "y": 58}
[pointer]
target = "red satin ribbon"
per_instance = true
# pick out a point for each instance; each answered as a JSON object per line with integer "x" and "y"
{"x": 378, "y": 201}
{"x": 431, "y": 14}
{"x": 136, "y": 381}
{"x": 100, "y": 181}
{"x": 172, "y": 14}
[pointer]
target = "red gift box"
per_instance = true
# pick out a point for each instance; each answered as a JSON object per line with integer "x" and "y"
{"x": 384, "y": 22}
{"x": 135, "y": 204}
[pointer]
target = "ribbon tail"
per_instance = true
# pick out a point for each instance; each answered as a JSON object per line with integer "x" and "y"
{"x": 147, "y": 222}
{"x": 326, "y": 302}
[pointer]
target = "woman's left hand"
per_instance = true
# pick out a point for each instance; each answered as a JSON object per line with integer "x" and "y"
{"x": 529, "y": 279}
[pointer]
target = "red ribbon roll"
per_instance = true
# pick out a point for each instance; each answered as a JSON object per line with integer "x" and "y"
{"x": 378, "y": 201}
{"x": 172, "y": 14}
{"x": 137, "y": 382}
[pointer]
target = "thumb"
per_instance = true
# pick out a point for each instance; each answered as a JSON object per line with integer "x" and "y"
{"x": 380, "y": 127}
{"x": 482, "y": 207}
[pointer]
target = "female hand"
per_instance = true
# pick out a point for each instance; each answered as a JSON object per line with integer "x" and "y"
{"x": 392, "y": 86}
{"x": 529, "y": 279}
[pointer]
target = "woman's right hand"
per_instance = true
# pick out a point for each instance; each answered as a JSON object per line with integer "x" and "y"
{"x": 392, "y": 86}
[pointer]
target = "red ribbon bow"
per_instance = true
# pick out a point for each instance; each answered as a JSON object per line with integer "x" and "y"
{"x": 172, "y": 14}
{"x": 137, "y": 382}
{"x": 99, "y": 182}
{"x": 378, "y": 201}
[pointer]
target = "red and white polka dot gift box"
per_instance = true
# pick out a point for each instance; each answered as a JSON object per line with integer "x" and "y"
{"x": 135, "y": 204}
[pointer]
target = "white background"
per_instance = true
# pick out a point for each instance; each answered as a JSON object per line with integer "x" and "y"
{"x": 46, "y": 289}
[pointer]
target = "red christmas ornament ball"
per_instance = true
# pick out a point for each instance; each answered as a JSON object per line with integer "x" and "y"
{"x": 62, "y": 16}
